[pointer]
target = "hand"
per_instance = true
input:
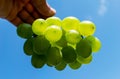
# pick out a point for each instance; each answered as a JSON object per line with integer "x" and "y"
{"x": 19, "y": 11}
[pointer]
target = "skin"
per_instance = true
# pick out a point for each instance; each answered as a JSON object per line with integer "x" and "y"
{"x": 19, "y": 11}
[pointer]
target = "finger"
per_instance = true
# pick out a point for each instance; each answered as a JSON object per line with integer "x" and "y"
{"x": 17, "y": 6}
{"x": 29, "y": 8}
{"x": 25, "y": 16}
{"x": 25, "y": 1}
{"x": 17, "y": 21}
{"x": 12, "y": 14}
{"x": 43, "y": 7}
{"x": 29, "y": 20}
{"x": 34, "y": 13}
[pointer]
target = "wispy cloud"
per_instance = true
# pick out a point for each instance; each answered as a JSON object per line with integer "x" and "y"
{"x": 103, "y": 7}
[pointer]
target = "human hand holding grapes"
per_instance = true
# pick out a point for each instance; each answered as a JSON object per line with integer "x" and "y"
{"x": 19, "y": 11}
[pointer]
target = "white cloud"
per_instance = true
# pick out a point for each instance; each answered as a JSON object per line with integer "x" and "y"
{"x": 88, "y": 18}
{"x": 102, "y": 8}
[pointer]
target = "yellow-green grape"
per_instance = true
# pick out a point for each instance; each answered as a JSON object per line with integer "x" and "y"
{"x": 28, "y": 47}
{"x": 83, "y": 48}
{"x": 95, "y": 43}
{"x": 69, "y": 54}
{"x": 38, "y": 61}
{"x": 54, "y": 56}
{"x": 90, "y": 38}
{"x": 70, "y": 23}
{"x": 84, "y": 60}
{"x": 39, "y": 26}
{"x": 73, "y": 36}
{"x": 87, "y": 28}
{"x": 53, "y": 33}
{"x": 61, "y": 66}
{"x": 40, "y": 45}
{"x": 24, "y": 30}
{"x": 53, "y": 21}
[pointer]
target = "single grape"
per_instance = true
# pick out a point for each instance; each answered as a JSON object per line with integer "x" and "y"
{"x": 24, "y": 30}
{"x": 95, "y": 43}
{"x": 62, "y": 42}
{"x": 53, "y": 33}
{"x": 84, "y": 60}
{"x": 83, "y": 48}
{"x": 72, "y": 45}
{"x": 48, "y": 64}
{"x": 53, "y": 21}
{"x": 87, "y": 28}
{"x": 28, "y": 47}
{"x": 54, "y": 56}
{"x": 90, "y": 38}
{"x": 70, "y": 23}
{"x": 61, "y": 66}
{"x": 69, "y": 54}
{"x": 40, "y": 45}
{"x": 73, "y": 36}
{"x": 38, "y": 61}
{"x": 39, "y": 26}
{"x": 75, "y": 65}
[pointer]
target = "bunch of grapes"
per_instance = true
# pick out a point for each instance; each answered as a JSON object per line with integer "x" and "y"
{"x": 58, "y": 43}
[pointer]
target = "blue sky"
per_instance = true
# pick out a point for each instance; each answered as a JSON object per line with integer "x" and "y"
{"x": 14, "y": 64}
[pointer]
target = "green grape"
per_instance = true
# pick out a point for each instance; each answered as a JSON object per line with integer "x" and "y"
{"x": 75, "y": 65}
{"x": 54, "y": 56}
{"x": 70, "y": 23}
{"x": 61, "y": 66}
{"x": 91, "y": 39}
{"x": 50, "y": 65}
{"x": 28, "y": 46}
{"x": 95, "y": 43}
{"x": 62, "y": 42}
{"x": 38, "y": 61}
{"x": 72, "y": 45}
{"x": 87, "y": 28}
{"x": 84, "y": 60}
{"x": 39, "y": 26}
{"x": 69, "y": 54}
{"x": 53, "y": 33}
{"x": 73, "y": 36}
{"x": 40, "y": 45}
{"x": 53, "y": 21}
{"x": 83, "y": 48}
{"x": 24, "y": 30}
